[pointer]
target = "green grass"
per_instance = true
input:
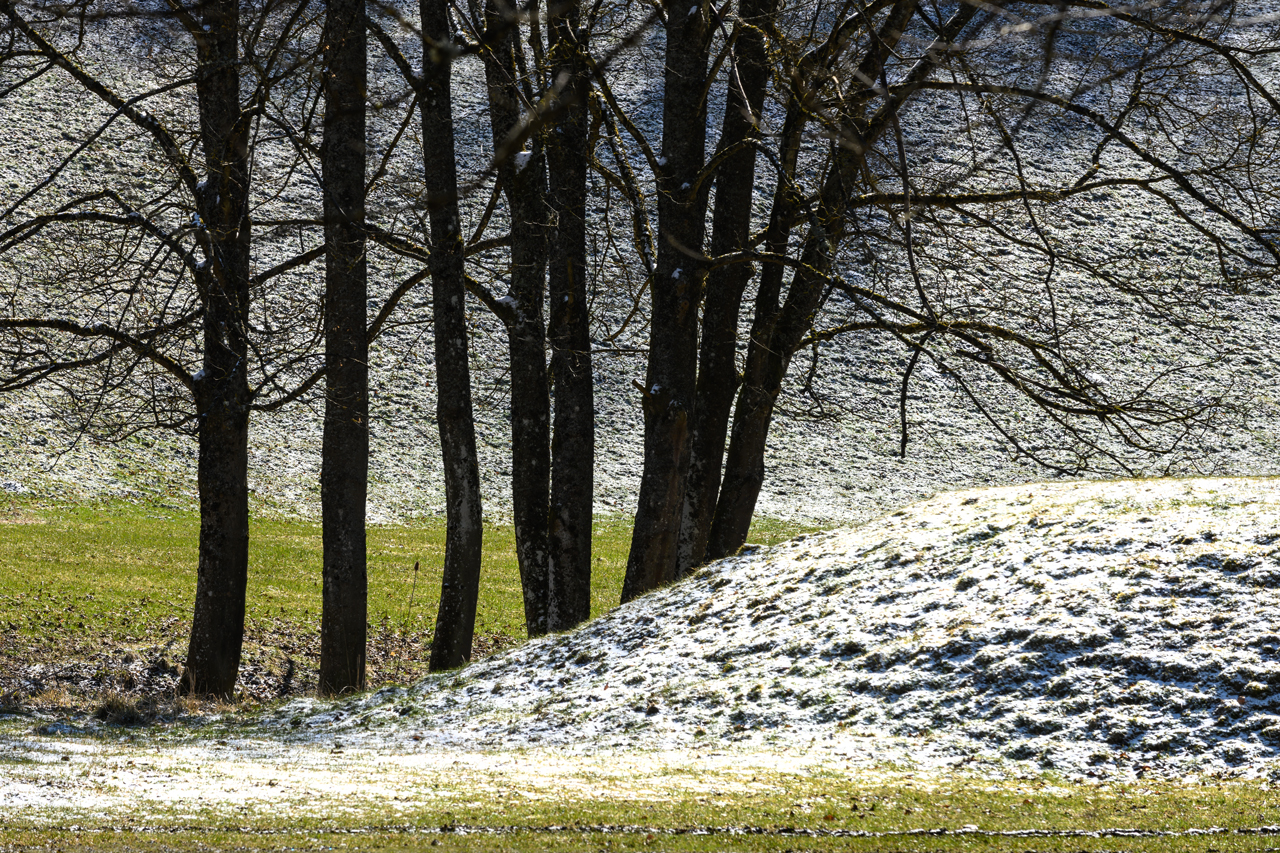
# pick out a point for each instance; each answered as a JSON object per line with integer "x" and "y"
{"x": 537, "y": 841}
{"x": 775, "y": 819}
{"x": 123, "y": 574}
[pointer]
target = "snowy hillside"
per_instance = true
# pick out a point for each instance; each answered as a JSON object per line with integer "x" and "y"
{"x": 1090, "y": 629}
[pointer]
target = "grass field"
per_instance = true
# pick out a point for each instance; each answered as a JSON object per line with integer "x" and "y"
{"x": 535, "y": 841}
{"x": 75, "y": 579}
{"x": 782, "y": 812}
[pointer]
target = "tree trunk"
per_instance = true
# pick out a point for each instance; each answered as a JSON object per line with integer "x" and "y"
{"x": 530, "y": 442}
{"x": 222, "y": 396}
{"x": 524, "y": 179}
{"x": 744, "y": 464}
{"x": 773, "y": 342}
{"x": 345, "y": 461}
{"x": 455, "y": 620}
{"x": 573, "y": 445}
{"x": 776, "y": 333}
{"x": 671, "y": 378}
{"x": 717, "y": 367}
{"x": 217, "y": 625}
{"x": 743, "y": 467}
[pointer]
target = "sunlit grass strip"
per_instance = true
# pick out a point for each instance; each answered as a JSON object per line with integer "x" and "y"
{"x": 963, "y": 816}
{"x": 574, "y": 839}
{"x": 123, "y": 574}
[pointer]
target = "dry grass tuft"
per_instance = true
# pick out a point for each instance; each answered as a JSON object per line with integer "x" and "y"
{"x": 52, "y": 697}
{"x": 122, "y": 710}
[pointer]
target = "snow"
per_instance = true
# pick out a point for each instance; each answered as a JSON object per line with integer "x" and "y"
{"x": 1095, "y": 630}
{"x": 522, "y": 159}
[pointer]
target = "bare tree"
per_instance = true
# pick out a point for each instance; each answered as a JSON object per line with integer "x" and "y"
{"x": 345, "y": 473}
{"x": 853, "y": 241}
{"x": 522, "y": 174}
{"x": 168, "y": 310}
{"x": 455, "y": 622}
{"x": 668, "y": 393}
{"x": 539, "y": 122}
{"x": 718, "y": 376}
{"x": 573, "y": 443}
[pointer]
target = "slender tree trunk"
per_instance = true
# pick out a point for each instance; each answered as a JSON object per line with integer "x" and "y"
{"x": 717, "y": 367}
{"x": 217, "y": 625}
{"x": 743, "y": 467}
{"x": 222, "y": 396}
{"x": 774, "y": 341}
{"x": 670, "y": 381}
{"x": 777, "y": 332}
{"x": 524, "y": 180}
{"x": 744, "y": 463}
{"x": 455, "y": 620}
{"x": 573, "y": 445}
{"x": 345, "y": 467}
{"x": 531, "y": 438}
{"x": 743, "y": 470}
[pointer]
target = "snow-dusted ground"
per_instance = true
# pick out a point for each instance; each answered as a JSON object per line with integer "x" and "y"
{"x": 836, "y": 466}
{"x": 1094, "y": 631}
{"x": 1086, "y": 628}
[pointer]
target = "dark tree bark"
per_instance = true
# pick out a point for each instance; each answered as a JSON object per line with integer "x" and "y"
{"x": 217, "y": 625}
{"x": 776, "y": 332}
{"x": 744, "y": 462}
{"x": 345, "y": 461}
{"x": 222, "y": 396}
{"x": 573, "y": 445}
{"x": 455, "y": 620}
{"x": 717, "y": 365}
{"x": 523, "y": 178}
{"x": 670, "y": 381}
{"x": 754, "y": 407}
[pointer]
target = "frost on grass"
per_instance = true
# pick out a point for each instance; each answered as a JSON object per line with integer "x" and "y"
{"x": 1092, "y": 629}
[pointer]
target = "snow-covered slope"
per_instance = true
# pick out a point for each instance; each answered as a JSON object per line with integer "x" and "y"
{"x": 1090, "y": 629}
{"x": 835, "y": 460}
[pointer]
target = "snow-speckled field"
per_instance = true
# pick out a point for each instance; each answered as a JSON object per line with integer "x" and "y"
{"x": 1091, "y": 631}
{"x": 1085, "y": 628}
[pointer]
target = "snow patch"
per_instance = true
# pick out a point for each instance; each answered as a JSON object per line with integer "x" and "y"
{"x": 1096, "y": 630}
